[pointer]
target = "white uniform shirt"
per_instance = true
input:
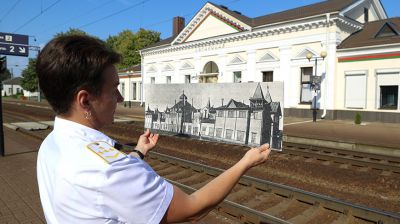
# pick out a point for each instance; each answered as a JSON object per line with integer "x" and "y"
{"x": 78, "y": 186}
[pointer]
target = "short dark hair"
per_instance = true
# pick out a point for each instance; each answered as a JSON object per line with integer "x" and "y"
{"x": 71, "y": 63}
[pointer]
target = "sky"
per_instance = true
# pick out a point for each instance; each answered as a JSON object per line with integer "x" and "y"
{"x": 42, "y": 19}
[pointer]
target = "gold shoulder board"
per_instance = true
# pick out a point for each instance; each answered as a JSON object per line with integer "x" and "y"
{"x": 106, "y": 151}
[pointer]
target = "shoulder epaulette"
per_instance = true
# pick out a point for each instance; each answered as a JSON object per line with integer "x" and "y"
{"x": 106, "y": 151}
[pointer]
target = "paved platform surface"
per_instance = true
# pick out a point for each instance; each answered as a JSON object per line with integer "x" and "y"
{"x": 19, "y": 194}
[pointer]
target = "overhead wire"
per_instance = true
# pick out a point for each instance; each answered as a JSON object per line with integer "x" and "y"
{"x": 79, "y": 16}
{"x": 8, "y": 12}
{"x": 113, "y": 14}
{"x": 35, "y": 17}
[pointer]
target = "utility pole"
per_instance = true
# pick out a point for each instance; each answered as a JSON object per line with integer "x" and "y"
{"x": 3, "y": 67}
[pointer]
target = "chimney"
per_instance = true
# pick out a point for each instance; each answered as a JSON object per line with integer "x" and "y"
{"x": 178, "y": 25}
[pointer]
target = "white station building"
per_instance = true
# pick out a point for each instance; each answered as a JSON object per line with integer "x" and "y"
{"x": 351, "y": 46}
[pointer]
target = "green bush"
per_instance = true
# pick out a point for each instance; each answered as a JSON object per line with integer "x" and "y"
{"x": 357, "y": 118}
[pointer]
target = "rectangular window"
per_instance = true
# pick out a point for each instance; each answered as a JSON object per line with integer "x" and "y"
{"x": 240, "y": 136}
{"x": 195, "y": 130}
{"x": 187, "y": 78}
{"x": 356, "y": 91}
{"x": 366, "y": 15}
{"x": 211, "y": 131}
{"x": 220, "y": 113}
{"x": 203, "y": 130}
{"x": 228, "y": 134}
{"x": 218, "y": 132}
{"x": 153, "y": 80}
{"x": 305, "y": 85}
{"x": 190, "y": 129}
{"x": 268, "y": 76}
{"x": 123, "y": 89}
{"x": 256, "y": 115}
{"x": 253, "y": 137}
{"x": 237, "y": 77}
{"x": 389, "y": 97}
{"x": 242, "y": 114}
{"x": 134, "y": 90}
{"x": 168, "y": 79}
{"x": 231, "y": 114}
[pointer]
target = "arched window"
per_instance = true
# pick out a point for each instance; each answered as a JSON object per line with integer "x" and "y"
{"x": 210, "y": 73}
{"x": 210, "y": 67}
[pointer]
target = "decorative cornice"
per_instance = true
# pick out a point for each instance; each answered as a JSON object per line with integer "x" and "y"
{"x": 210, "y": 43}
{"x": 348, "y": 24}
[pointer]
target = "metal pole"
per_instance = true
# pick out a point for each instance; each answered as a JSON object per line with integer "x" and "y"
{"x": 39, "y": 98}
{"x": 2, "y": 150}
{"x": 315, "y": 94}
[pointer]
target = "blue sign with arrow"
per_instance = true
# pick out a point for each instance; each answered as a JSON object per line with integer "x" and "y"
{"x": 14, "y": 44}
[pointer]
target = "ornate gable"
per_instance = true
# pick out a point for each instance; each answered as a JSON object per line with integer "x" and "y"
{"x": 303, "y": 53}
{"x": 210, "y": 21}
{"x": 186, "y": 65}
{"x": 268, "y": 57}
{"x": 167, "y": 67}
{"x": 237, "y": 60}
{"x": 152, "y": 69}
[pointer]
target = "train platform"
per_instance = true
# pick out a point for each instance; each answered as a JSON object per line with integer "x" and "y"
{"x": 19, "y": 193}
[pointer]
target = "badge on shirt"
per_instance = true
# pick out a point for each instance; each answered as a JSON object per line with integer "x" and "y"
{"x": 106, "y": 151}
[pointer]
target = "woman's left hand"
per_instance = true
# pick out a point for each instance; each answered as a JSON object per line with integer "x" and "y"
{"x": 147, "y": 141}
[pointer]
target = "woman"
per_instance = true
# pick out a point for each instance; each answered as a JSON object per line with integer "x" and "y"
{"x": 82, "y": 177}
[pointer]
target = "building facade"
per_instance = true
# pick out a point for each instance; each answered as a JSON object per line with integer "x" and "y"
{"x": 219, "y": 45}
{"x": 130, "y": 86}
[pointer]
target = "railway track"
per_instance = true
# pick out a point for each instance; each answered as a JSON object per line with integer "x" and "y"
{"x": 259, "y": 201}
{"x": 352, "y": 159}
{"x": 338, "y": 156}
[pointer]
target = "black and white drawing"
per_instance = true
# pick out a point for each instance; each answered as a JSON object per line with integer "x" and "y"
{"x": 239, "y": 113}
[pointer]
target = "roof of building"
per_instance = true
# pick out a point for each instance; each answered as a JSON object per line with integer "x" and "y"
{"x": 327, "y": 6}
{"x": 374, "y": 33}
{"x": 233, "y": 104}
{"x": 258, "y": 93}
{"x": 13, "y": 81}
{"x": 319, "y": 8}
{"x": 276, "y": 108}
{"x": 134, "y": 69}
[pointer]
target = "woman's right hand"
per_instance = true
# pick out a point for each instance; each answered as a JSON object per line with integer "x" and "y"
{"x": 256, "y": 156}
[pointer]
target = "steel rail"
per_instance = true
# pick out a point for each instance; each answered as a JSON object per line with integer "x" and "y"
{"x": 359, "y": 159}
{"x": 357, "y": 211}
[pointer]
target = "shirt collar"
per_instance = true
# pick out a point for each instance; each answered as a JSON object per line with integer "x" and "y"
{"x": 73, "y": 128}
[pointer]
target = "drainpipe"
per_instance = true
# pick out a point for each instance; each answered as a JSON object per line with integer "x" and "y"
{"x": 326, "y": 65}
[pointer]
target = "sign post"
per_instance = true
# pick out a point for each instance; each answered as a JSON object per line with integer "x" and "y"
{"x": 17, "y": 45}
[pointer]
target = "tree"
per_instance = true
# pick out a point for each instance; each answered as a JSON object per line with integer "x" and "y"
{"x": 29, "y": 77}
{"x": 5, "y": 75}
{"x": 128, "y": 44}
{"x": 71, "y": 31}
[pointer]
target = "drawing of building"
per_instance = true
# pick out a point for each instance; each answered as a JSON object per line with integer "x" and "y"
{"x": 234, "y": 122}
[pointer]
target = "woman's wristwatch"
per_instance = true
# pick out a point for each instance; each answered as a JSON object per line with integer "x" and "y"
{"x": 123, "y": 147}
